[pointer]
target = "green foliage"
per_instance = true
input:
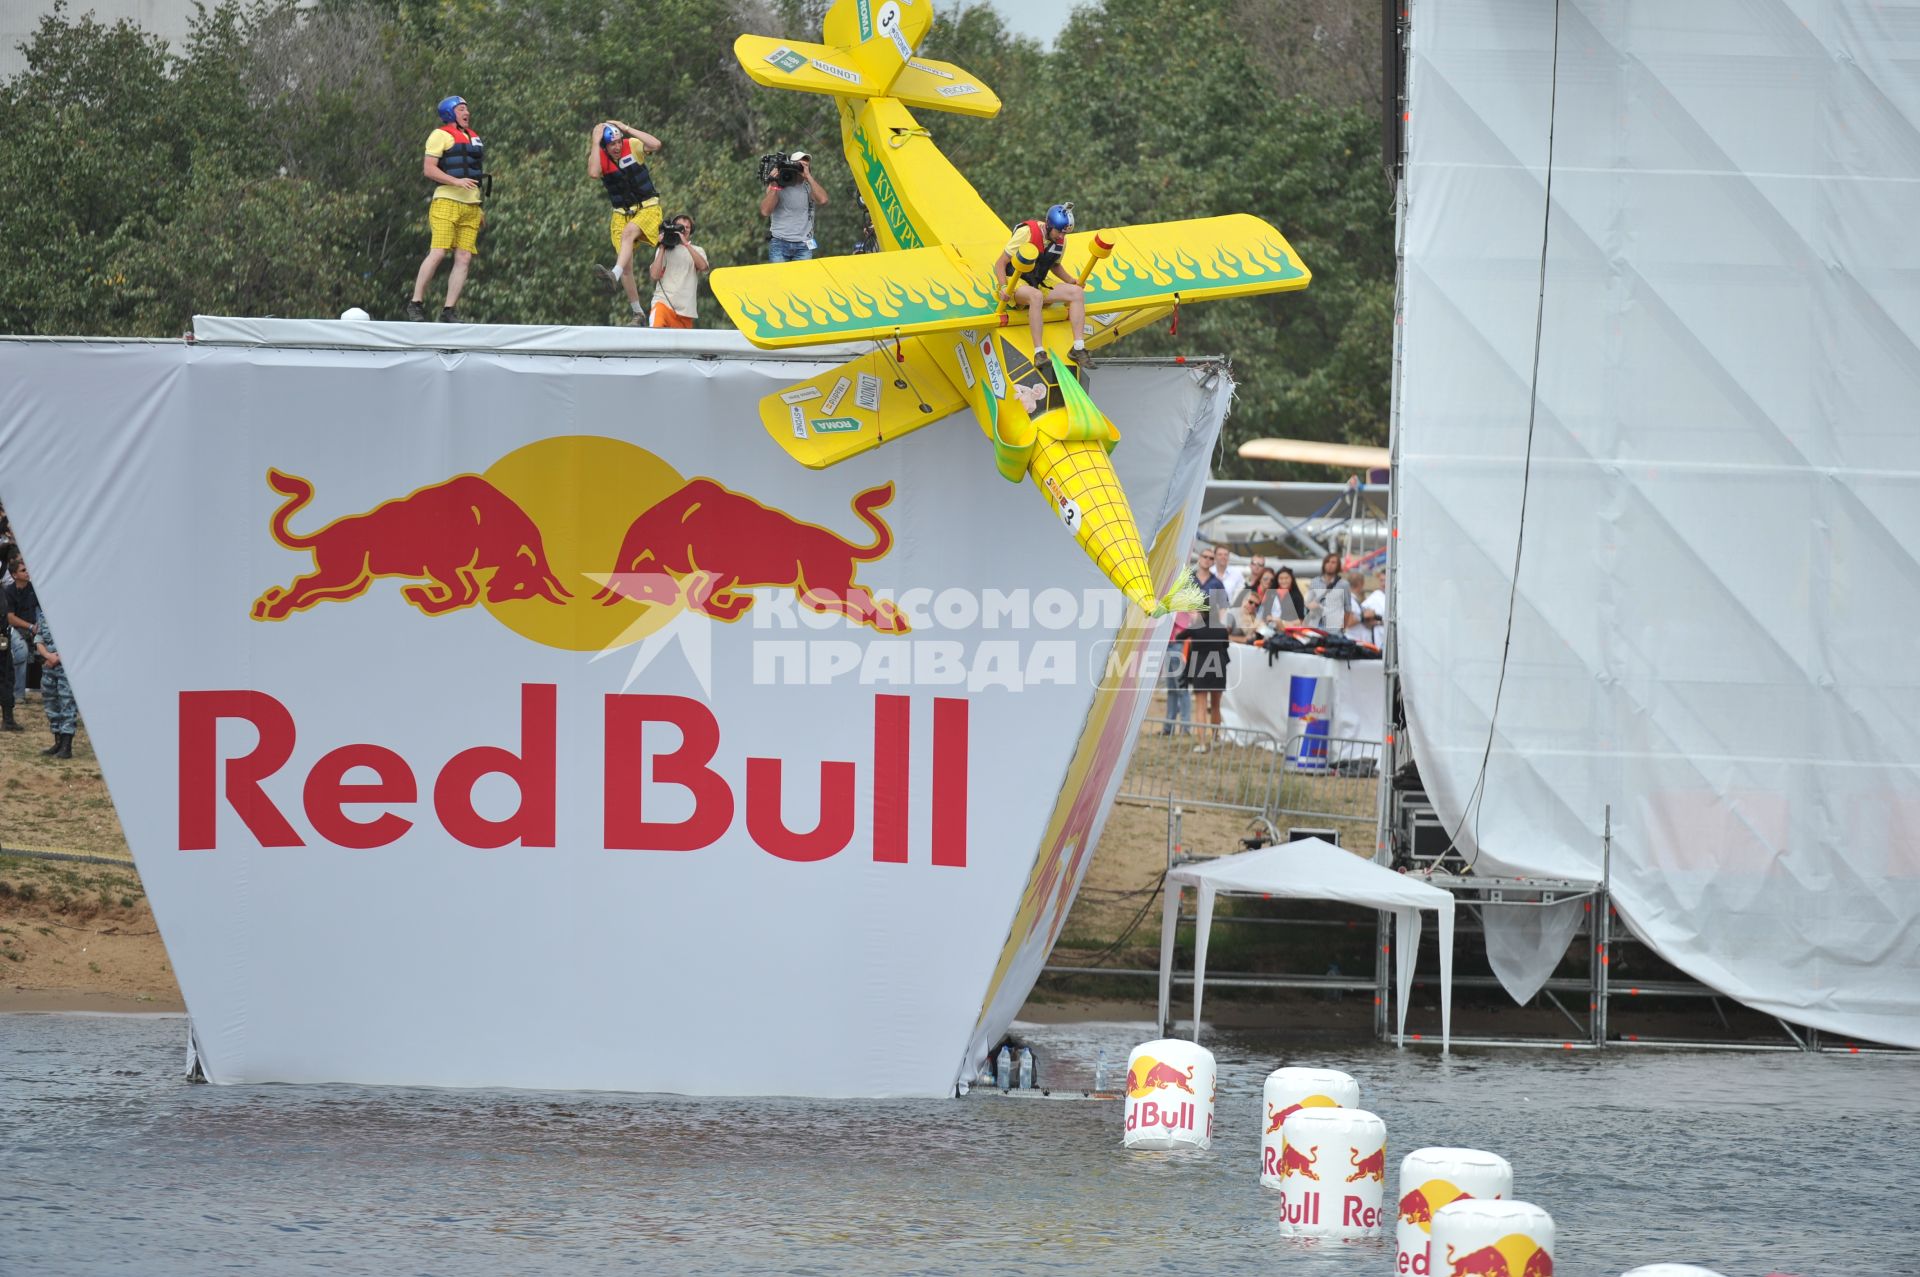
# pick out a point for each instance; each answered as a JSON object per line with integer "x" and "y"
{"x": 271, "y": 165}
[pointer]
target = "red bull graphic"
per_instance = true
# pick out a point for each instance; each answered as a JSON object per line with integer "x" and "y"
{"x": 1158, "y": 1104}
{"x": 1294, "y": 1162}
{"x": 457, "y": 541}
{"x": 583, "y": 543}
{"x": 629, "y": 768}
{"x": 705, "y": 542}
{"x": 1515, "y": 1255}
{"x": 1372, "y": 1166}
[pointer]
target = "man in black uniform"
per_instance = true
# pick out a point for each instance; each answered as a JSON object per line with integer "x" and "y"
{"x": 623, "y": 175}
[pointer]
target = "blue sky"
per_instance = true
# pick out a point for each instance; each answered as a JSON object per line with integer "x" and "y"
{"x": 1041, "y": 19}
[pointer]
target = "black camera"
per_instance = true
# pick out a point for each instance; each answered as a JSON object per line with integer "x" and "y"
{"x": 778, "y": 170}
{"x": 670, "y": 235}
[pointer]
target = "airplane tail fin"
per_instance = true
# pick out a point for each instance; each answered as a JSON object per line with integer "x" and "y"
{"x": 867, "y": 52}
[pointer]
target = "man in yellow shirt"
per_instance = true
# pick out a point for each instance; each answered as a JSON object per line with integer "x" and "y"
{"x": 1031, "y": 260}
{"x": 620, "y": 167}
{"x": 455, "y": 162}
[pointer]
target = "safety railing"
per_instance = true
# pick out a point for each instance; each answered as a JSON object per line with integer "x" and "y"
{"x": 1203, "y": 765}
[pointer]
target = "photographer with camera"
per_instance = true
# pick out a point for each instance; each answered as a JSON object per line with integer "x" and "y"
{"x": 623, "y": 176}
{"x": 792, "y": 194}
{"x": 677, "y": 266}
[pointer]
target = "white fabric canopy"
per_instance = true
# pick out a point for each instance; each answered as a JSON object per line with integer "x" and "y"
{"x": 1720, "y": 573}
{"x": 1312, "y": 869}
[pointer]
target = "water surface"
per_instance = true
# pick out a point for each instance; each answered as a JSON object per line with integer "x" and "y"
{"x": 110, "y": 1163}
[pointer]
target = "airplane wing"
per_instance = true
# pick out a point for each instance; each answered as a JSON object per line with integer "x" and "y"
{"x": 800, "y": 65}
{"x": 860, "y": 405}
{"x": 1197, "y": 260}
{"x": 859, "y": 297}
{"x": 947, "y": 286}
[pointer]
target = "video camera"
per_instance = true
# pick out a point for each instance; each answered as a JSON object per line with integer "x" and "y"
{"x": 670, "y": 235}
{"x": 778, "y": 170}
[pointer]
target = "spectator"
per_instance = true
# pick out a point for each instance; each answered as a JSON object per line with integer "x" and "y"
{"x": 869, "y": 241}
{"x": 6, "y": 656}
{"x": 1378, "y": 599}
{"x": 1287, "y": 606}
{"x": 455, "y": 158}
{"x": 676, "y": 270}
{"x": 56, "y": 694}
{"x": 1328, "y": 598}
{"x": 1204, "y": 664}
{"x": 23, "y": 623}
{"x": 788, "y": 206}
{"x": 1368, "y": 628}
{"x": 628, "y": 185}
{"x": 1179, "y": 699}
{"x": 1231, "y": 576}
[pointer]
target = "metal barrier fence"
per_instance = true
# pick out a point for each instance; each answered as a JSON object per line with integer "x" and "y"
{"x": 1248, "y": 770}
{"x": 1203, "y": 765}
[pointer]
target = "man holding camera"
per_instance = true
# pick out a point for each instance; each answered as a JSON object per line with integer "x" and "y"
{"x": 677, "y": 265}
{"x": 623, "y": 175}
{"x": 792, "y": 194}
{"x": 454, "y": 162}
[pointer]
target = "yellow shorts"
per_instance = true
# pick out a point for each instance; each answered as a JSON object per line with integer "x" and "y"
{"x": 647, "y": 215}
{"x": 455, "y": 224}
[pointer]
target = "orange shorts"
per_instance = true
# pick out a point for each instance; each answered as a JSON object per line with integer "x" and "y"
{"x": 665, "y": 316}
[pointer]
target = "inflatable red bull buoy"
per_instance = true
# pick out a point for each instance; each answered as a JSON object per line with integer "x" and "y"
{"x": 1475, "y": 1238}
{"x": 1333, "y": 1173}
{"x": 1170, "y": 1086}
{"x": 1431, "y": 1178}
{"x": 1286, "y": 1092}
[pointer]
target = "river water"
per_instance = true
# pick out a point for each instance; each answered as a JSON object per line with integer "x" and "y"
{"x": 110, "y": 1163}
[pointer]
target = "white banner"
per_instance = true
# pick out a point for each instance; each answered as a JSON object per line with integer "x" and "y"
{"x": 530, "y": 719}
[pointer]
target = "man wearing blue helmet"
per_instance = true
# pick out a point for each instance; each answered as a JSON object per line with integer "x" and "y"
{"x": 1032, "y": 259}
{"x": 617, "y": 159}
{"x": 454, "y": 163}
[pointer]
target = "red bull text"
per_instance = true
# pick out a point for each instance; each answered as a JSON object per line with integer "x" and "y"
{"x": 242, "y": 781}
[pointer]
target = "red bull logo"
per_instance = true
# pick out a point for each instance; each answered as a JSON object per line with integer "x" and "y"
{"x": 1515, "y": 1255}
{"x": 628, "y": 769}
{"x": 1373, "y": 1166}
{"x": 1146, "y": 1079}
{"x": 458, "y": 541}
{"x": 580, "y": 542}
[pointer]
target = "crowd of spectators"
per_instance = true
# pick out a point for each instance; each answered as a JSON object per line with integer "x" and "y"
{"x": 1246, "y": 604}
{"x": 29, "y": 656}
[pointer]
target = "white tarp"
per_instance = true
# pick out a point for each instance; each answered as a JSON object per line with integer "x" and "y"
{"x": 1719, "y": 587}
{"x": 404, "y": 833}
{"x": 1259, "y": 693}
{"x": 1310, "y": 869}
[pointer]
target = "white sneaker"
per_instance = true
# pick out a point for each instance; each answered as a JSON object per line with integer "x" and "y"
{"x": 1200, "y": 749}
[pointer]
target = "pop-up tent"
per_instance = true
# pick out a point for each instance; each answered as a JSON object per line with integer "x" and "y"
{"x": 1311, "y": 869}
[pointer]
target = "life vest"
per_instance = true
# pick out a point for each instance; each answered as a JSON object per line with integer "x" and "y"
{"x": 1049, "y": 257}
{"x": 628, "y": 183}
{"x": 466, "y": 156}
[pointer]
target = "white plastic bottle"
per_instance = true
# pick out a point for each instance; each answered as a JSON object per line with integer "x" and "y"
{"x": 1003, "y": 1068}
{"x": 1026, "y": 1069}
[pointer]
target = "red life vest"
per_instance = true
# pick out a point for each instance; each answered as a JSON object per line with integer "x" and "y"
{"x": 1049, "y": 257}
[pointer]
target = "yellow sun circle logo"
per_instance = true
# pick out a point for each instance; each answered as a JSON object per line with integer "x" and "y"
{"x": 582, "y": 492}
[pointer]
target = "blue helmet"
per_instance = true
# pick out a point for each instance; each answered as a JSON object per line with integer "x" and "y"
{"x": 609, "y": 135}
{"x": 1060, "y": 217}
{"x": 446, "y": 108}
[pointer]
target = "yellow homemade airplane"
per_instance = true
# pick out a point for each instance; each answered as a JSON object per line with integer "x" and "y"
{"x": 932, "y": 303}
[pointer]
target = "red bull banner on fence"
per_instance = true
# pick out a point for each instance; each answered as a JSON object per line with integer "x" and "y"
{"x": 511, "y": 711}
